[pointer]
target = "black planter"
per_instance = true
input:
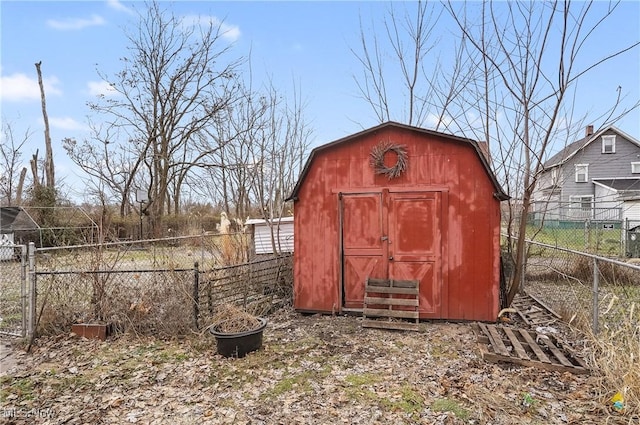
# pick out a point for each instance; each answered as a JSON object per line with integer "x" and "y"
{"x": 240, "y": 343}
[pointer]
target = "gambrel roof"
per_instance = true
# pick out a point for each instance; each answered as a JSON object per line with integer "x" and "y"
{"x": 480, "y": 148}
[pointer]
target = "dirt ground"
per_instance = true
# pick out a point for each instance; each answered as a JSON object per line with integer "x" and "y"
{"x": 310, "y": 370}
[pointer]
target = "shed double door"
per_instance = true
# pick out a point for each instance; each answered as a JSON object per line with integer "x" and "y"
{"x": 392, "y": 235}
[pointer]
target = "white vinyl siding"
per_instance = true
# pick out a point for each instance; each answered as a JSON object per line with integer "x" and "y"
{"x": 582, "y": 173}
{"x": 631, "y": 212}
{"x": 609, "y": 144}
{"x": 583, "y": 202}
{"x": 282, "y": 234}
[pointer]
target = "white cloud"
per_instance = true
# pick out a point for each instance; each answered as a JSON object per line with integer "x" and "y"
{"x": 17, "y": 87}
{"x": 66, "y": 123}
{"x": 117, "y": 5}
{"x": 436, "y": 121}
{"x": 227, "y": 31}
{"x": 101, "y": 88}
{"x": 474, "y": 120}
{"x": 76, "y": 23}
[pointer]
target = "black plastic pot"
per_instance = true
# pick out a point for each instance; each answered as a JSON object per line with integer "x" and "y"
{"x": 240, "y": 343}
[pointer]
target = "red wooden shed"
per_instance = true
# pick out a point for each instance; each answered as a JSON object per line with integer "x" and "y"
{"x": 398, "y": 202}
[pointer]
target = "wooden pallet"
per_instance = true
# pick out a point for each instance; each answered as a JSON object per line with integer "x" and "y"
{"x": 527, "y": 348}
{"x": 394, "y": 300}
{"x": 533, "y": 311}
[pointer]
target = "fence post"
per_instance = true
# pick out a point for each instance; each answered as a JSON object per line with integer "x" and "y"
{"x": 196, "y": 292}
{"x": 31, "y": 320}
{"x": 596, "y": 279}
{"x": 23, "y": 288}
{"x": 202, "y": 246}
{"x": 587, "y": 235}
{"x": 625, "y": 238}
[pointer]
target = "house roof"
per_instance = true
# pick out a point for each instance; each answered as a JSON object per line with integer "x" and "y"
{"x": 573, "y": 148}
{"x": 275, "y": 221}
{"x": 621, "y": 185}
{"x": 14, "y": 219}
{"x": 481, "y": 152}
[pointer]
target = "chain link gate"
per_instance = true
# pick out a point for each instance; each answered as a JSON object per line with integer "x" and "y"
{"x": 14, "y": 290}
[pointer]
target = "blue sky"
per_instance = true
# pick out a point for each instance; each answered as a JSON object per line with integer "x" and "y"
{"x": 308, "y": 42}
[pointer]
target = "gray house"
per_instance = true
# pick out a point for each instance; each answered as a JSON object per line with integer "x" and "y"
{"x": 596, "y": 178}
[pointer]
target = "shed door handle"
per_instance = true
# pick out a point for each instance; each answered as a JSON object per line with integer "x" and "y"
{"x": 391, "y": 257}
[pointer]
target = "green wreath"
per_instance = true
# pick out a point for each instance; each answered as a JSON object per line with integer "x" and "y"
{"x": 377, "y": 159}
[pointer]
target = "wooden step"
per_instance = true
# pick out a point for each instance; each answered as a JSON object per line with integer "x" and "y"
{"x": 381, "y": 312}
{"x": 391, "y": 299}
{"x": 394, "y": 325}
{"x": 411, "y": 302}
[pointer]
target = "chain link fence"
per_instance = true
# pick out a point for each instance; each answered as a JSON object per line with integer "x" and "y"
{"x": 599, "y": 296}
{"x": 587, "y": 290}
{"x": 164, "y": 287}
{"x": 601, "y": 237}
{"x": 607, "y": 237}
{"x": 13, "y": 290}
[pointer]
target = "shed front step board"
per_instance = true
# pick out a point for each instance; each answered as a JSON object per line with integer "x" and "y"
{"x": 394, "y": 325}
{"x": 391, "y": 299}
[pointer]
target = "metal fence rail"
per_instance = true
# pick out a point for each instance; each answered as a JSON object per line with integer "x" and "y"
{"x": 258, "y": 286}
{"x": 589, "y": 290}
{"x": 161, "y": 287}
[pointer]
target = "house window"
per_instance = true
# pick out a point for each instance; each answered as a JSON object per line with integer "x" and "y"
{"x": 554, "y": 176}
{"x": 583, "y": 202}
{"x": 582, "y": 173}
{"x": 609, "y": 144}
{"x": 635, "y": 167}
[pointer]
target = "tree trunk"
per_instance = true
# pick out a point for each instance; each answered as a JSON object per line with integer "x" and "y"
{"x": 34, "y": 169}
{"x": 23, "y": 174}
{"x": 48, "y": 160}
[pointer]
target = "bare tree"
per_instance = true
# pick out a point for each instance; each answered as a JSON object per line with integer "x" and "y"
{"x": 175, "y": 80}
{"x": 108, "y": 166}
{"x": 258, "y": 169}
{"x": 49, "y": 171}
{"x": 536, "y": 51}
{"x": 279, "y": 150}
{"x": 12, "y": 173}
{"x": 511, "y": 83}
{"x": 410, "y": 39}
{"x": 230, "y": 181}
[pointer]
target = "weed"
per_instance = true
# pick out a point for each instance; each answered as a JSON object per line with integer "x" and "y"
{"x": 22, "y": 388}
{"x": 361, "y": 379}
{"x": 301, "y": 382}
{"x": 410, "y": 401}
{"x": 528, "y": 402}
{"x": 448, "y": 405}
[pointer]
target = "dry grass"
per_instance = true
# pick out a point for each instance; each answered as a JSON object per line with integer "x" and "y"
{"x": 617, "y": 356}
{"x": 231, "y": 319}
{"x": 582, "y": 268}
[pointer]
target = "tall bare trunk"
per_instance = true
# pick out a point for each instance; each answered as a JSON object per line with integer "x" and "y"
{"x": 48, "y": 160}
{"x": 23, "y": 175}
{"x": 34, "y": 169}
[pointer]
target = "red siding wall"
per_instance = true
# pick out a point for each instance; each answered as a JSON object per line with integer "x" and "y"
{"x": 470, "y": 230}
